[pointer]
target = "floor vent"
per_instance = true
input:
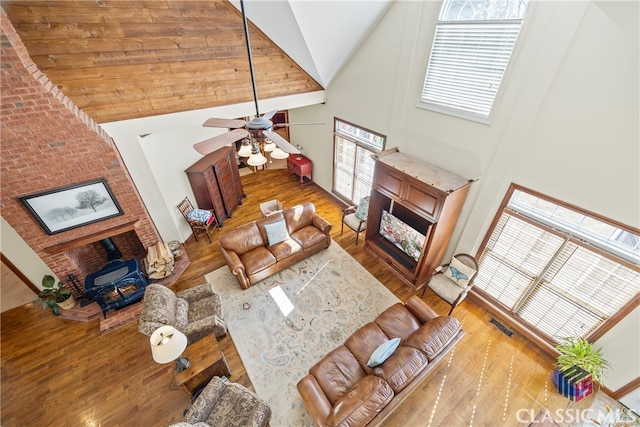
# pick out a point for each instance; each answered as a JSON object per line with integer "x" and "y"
{"x": 501, "y": 327}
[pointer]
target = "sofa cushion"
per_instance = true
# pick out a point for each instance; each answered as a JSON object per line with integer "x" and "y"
{"x": 397, "y": 321}
{"x": 361, "y": 403}
{"x": 401, "y": 367}
{"x": 284, "y": 250}
{"x": 257, "y": 260}
{"x": 337, "y": 372}
{"x": 383, "y": 352}
{"x": 434, "y": 335}
{"x": 299, "y": 216}
{"x": 309, "y": 237}
{"x": 243, "y": 239}
{"x": 364, "y": 341}
{"x": 276, "y": 232}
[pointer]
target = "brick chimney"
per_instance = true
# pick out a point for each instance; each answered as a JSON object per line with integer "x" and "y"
{"x": 48, "y": 143}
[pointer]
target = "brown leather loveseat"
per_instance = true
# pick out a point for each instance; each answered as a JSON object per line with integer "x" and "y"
{"x": 342, "y": 390}
{"x": 256, "y": 250}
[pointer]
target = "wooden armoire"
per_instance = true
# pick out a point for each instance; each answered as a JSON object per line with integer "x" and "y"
{"x": 215, "y": 181}
{"x": 410, "y": 199}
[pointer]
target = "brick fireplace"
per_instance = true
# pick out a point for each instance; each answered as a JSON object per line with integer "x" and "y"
{"x": 47, "y": 143}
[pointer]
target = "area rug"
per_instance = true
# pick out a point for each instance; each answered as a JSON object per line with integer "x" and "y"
{"x": 320, "y": 302}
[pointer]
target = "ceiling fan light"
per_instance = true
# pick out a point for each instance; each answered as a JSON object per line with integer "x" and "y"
{"x": 269, "y": 146}
{"x": 245, "y": 149}
{"x": 256, "y": 159}
{"x": 277, "y": 153}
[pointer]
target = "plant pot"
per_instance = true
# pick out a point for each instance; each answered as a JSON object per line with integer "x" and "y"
{"x": 67, "y": 304}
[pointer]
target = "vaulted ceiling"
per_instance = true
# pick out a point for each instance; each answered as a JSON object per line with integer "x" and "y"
{"x": 123, "y": 59}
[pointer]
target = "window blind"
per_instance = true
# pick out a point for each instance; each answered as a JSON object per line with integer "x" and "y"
{"x": 551, "y": 281}
{"x": 468, "y": 60}
{"x": 353, "y": 164}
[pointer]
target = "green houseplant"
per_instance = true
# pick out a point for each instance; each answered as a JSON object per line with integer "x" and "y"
{"x": 55, "y": 296}
{"x": 577, "y": 351}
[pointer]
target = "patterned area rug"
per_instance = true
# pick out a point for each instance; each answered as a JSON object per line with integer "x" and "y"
{"x": 320, "y": 302}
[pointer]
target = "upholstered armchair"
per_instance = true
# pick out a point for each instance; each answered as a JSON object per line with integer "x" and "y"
{"x": 355, "y": 217}
{"x": 452, "y": 282}
{"x": 196, "y": 312}
{"x": 223, "y": 404}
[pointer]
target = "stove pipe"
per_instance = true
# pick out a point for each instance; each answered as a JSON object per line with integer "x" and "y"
{"x": 112, "y": 250}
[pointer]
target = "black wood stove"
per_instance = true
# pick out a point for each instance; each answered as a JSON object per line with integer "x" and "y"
{"x": 118, "y": 284}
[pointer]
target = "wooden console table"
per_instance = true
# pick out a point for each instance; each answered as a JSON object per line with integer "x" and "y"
{"x": 300, "y": 166}
{"x": 206, "y": 361}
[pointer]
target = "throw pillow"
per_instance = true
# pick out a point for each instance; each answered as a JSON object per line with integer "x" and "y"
{"x": 383, "y": 352}
{"x": 199, "y": 216}
{"x": 363, "y": 209}
{"x": 276, "y": 232}
{"x": 459, "y": 273}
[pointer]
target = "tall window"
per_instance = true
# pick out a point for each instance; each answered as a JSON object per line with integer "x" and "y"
{"x": 353, "y": 148}
{"x": 559, "y": 270}
{"x": 471, "y": 49}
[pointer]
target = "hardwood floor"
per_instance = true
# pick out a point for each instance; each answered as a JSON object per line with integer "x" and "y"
{"x": 62, "y": 372}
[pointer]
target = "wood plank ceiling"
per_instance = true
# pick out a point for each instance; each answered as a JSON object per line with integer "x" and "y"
{"x": 122, "y": 59}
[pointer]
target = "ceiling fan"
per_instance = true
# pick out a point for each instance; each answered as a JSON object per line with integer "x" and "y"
{"x": 257, "y": 130}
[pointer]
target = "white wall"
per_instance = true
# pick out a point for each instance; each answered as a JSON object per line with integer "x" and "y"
{"x": 22, "y": 256}
{"x": 566, "y": 121}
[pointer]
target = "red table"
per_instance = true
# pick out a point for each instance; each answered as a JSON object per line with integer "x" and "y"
{"x": 301, "y": 166}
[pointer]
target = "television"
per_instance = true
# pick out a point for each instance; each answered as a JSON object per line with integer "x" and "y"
{"x": 407, "y": 239}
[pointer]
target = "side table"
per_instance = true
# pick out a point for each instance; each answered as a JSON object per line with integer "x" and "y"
{"x": 206, "y": 361}
{"x": 301, "y": 166}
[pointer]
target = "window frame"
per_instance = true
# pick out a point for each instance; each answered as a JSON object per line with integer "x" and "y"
{"x": 359, "y": 144}
{"x": 512, "y": 318}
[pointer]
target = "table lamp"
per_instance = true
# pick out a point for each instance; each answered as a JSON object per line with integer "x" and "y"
{"x": 167, "y": 344}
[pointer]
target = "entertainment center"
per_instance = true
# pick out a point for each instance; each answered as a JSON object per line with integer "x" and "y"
{"x": 413, "y": 210}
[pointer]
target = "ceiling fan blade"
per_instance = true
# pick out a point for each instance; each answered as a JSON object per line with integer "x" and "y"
{"x": 224, "y": 123}
{"x": 284, "y": 145}
{"x": 217, "y": 142}
{"x": 282, "y": 125}
{"x": 269, "y": 114}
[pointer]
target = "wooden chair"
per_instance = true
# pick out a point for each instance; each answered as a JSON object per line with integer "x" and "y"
{"x": 197, "y": 219}
{"x": 355, "y": 217}
{"x": 453, "y": 281}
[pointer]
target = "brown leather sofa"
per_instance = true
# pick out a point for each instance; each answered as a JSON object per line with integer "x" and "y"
{"x": 249, "y": 256}
{"x": 341, "y": 390}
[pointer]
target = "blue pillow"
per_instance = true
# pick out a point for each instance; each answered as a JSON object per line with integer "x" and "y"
{"x": 276, "y": 232}
{"x": 363, "y": 209}
{"x": 383, "y": 352}
{"x": 199, "y": 216}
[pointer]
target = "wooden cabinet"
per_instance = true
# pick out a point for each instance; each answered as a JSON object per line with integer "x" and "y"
{"x": 215, "y": 181}
{"x": 302, "y": 167}
{"x": 413, "y": 210}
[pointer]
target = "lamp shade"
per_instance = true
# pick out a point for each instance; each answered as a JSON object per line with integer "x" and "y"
{"x": 245, "y": 149}
{"x": 256, "y": 159}
{"x": 279, "y": 154}
{"x": 269, "y": 146}
{"x": 167, "y": 344}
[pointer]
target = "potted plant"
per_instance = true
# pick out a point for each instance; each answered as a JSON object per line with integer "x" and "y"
{"x": 577, "y": 351}
{"x": 56, "y": 296}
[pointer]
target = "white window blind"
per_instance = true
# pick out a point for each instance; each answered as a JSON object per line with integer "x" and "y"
{"x": 471, "y": 49}
{"x": 551, "y": 280}
{"x": 353, "y": 163}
